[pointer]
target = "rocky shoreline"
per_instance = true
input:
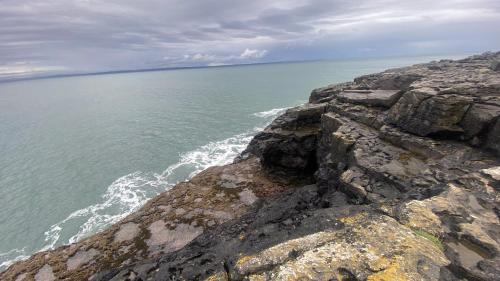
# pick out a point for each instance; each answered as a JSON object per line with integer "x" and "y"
{"x": 393, "y": 176}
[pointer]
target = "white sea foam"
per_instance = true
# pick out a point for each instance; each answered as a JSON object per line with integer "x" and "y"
{"x": 271, "y": 113}
{"x": 11, "y": 257}
{"x": 128, "y": 193}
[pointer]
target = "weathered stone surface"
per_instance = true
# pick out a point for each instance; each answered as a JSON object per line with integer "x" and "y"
{"x": 289, "y": 143}
{"x": 430, "y": 113}
{"x": 396, "y": 79}
{"x": 493, "y": 137}
{"x": 164, "y": 224}
{"x": 303, "y": 116}
{"x": 382, "y": 98}
{"x": 479, "y": 118}
{"x": 495, "y": 65}
{"x": 294, "y": 238}
{"x": 80, "y": 258}
{"x": 127, "y": 232}
{"x": 325, "y": 94}
{"x": 168, "y": 240}
{"x": 406, "y": 173}
{"x": 45, "y": 274}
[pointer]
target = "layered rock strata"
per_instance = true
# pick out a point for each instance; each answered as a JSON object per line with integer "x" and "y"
{"x": 394, "y": 176}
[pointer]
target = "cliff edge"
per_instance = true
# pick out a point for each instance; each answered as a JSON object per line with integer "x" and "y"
{"x": 393, "y": 176}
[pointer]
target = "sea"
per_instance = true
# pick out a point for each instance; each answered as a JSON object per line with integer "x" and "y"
{"x": 79, "y": 153}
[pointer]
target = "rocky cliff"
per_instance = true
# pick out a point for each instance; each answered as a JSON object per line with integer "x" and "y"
{"x": 393, "y": 176}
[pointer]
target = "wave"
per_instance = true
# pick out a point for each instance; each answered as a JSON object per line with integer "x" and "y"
{"x": 271, "y": 113}
{"x": 12, "y": 256}
{"x": 128, "y": 193}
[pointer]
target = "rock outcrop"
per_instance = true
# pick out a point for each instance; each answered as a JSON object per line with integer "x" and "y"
{"x": 394, "y": 176}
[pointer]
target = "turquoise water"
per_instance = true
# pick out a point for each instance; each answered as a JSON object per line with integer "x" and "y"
{"x": 79, "y": 153}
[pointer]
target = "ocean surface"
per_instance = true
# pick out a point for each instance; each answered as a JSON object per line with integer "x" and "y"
{"x": 79, "y": 153}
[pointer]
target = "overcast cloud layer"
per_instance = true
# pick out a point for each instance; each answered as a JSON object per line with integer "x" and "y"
{"x": 66, "y": 36}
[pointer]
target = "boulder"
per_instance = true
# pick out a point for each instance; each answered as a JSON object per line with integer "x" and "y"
{"x": 479, "y": 118}
{"x": 493, "y": 139}
{"x": 325, "y": 94}
{"x": 426, "y": 112}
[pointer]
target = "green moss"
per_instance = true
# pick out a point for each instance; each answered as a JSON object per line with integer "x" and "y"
{"x": 435, "y": 240}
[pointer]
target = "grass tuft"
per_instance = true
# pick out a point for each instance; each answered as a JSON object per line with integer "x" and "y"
{"x": 435, "y": 240}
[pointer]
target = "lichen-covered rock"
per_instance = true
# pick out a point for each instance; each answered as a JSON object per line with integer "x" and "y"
{"x": 165, "y": 224}
{"x": 406, "y": 177}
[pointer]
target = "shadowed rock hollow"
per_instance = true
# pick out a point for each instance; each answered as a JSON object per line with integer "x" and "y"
{"x": 393, "y": 176}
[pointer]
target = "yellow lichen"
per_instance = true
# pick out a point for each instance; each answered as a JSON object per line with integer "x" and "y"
{"x": 219, "y": 276}
{"x": 391, "y": 273}
{"x": 351, "y": 219}
{"x": 379, "y": 264}
{"x": 243, "y": 261}
{"x": 257, "y": 277}
{"x": 242, "y": 237}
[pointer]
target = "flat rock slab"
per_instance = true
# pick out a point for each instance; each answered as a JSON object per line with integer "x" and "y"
{"x": 45, "y": 274}
{"x": 169, "y": 240}
{"x": 127, "y": 232}
{"x": 382, "y": 98}
{"x": 80, "y": 258}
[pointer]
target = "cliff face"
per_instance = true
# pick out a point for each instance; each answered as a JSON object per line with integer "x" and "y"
{"x": 393, "y": 176}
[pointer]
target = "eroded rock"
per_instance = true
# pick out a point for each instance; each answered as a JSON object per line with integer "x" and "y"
{"x": 45, "y": 274}
{"x": 382, "y": 98}
{"x": 81, "y": 258}
{"x": 127, "y": 232}
{"x": 167, "y": 240}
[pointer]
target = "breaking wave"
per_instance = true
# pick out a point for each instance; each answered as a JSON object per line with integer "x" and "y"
{"x": 271, "y": 113}
{"x": 128, "y": 193}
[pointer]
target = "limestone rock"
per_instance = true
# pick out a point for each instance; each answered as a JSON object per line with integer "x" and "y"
{"x": 479, "y": 118}
{"x": 382, "y": 98}
{"x": 325, "y": 94}
{"x": 495, "y": 65}
{"x": 393, "y": 176}
{"x": 45, "y": 274}
{"x": 493, "y": 139}
{"x": 429, "y": 113}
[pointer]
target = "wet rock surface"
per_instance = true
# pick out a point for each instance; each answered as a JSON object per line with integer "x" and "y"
{"x": 393, "y": 176}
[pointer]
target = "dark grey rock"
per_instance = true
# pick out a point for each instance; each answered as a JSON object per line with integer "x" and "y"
{"x": 325, "y": 94}
{"x": 493, "y": 139}
{"x": 429, "y": 113}
{"x": 382, "y": 98}
{"x": 479, "y": 118}
{"x": 388, "y": 80}
{"x": 495, "y": 65}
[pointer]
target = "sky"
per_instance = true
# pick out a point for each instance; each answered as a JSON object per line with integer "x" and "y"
{"x": 44, "y": 37}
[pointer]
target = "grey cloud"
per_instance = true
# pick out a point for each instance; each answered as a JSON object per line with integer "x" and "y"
{"x": 100, "y": 35}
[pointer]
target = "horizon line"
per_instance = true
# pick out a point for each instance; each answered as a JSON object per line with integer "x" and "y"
{"x": 122, "y": 71}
